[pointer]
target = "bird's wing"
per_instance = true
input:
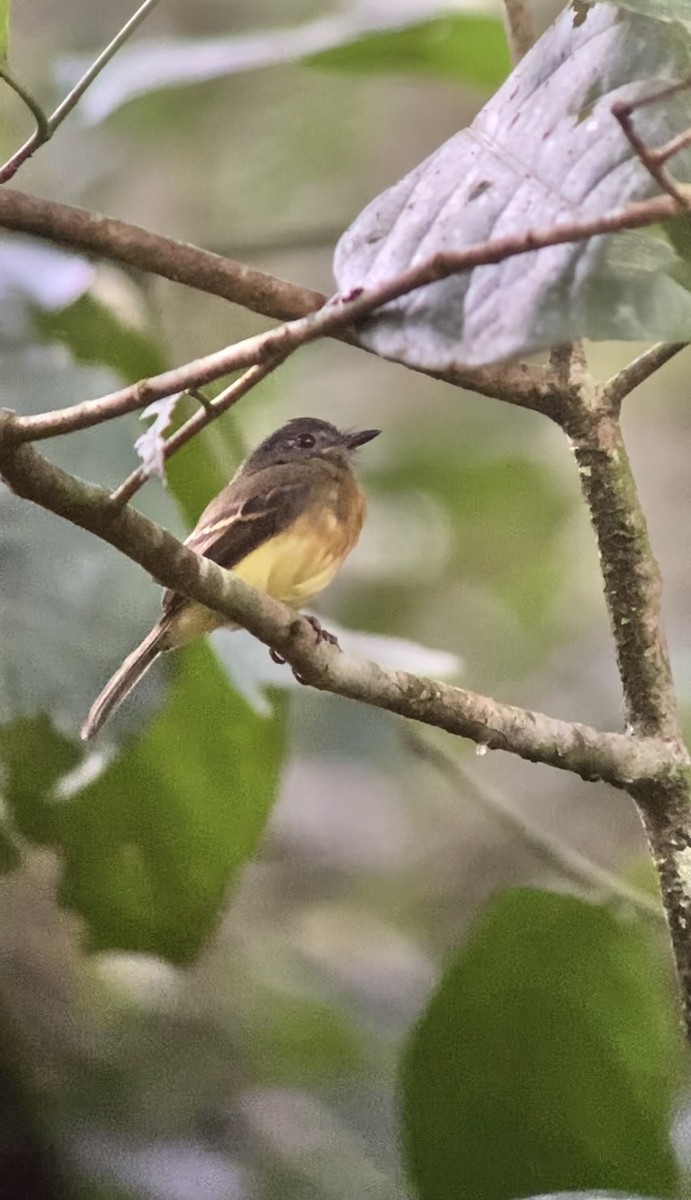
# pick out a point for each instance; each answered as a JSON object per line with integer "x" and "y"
{"x": 230, "y": 528}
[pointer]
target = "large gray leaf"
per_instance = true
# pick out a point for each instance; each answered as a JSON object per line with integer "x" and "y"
{"x": 545, "y": 150}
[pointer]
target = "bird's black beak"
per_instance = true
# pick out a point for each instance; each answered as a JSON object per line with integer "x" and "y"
{"x": 355, "y": 440}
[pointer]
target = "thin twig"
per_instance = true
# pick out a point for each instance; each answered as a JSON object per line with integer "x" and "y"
{"x": 637, "y": 371}
{"x": 520, "y": 383}
{"x": 31, "y": 103}
{"x": 567, "y": 860}
{"x": 210, "y": 412}
{"x": 653, "y": 159}
{"x": 341, "y": 312}
{"x": 585, "y": 751}
{"x": 521, "y": 25}
{"x": 45, "y": 130}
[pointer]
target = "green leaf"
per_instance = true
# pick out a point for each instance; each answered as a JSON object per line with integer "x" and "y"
{"x": 468, "y": 47}
{"x": 96, "y": 336}
{"x": 574, "y": 164}
{"x": 546, "y": 1060}
{"x": 151, "y": 847}
{"x": 4, "y": 30}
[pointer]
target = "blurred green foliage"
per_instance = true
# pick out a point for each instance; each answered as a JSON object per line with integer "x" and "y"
{"x": 546, "y": 1060}
{"x": 4, "y": 30}
{"x": 547, "y": 1057}
{"x": 467, "y": 47}
{"x": 151, "y": 846}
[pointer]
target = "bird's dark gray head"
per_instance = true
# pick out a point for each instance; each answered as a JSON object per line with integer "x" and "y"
{"x": 307, "y": 437}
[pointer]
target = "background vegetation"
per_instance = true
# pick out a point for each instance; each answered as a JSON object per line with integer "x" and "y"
{"x": 267, "y": 942}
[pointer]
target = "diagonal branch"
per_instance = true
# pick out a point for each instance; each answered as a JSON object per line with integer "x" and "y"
{"x": 553, "y": 851}
{"x": 268, "y": 295}
{"x": 339, "y": 314}
{"x": 132, "y": 246}
{"x": 46, "y": 128}
{"x": 585, "y": 751}
{"x": 637, "y": 371}
{"x": 210, "y": 412}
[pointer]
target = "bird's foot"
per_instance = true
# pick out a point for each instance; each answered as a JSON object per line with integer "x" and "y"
{"x": 322, "y": 635}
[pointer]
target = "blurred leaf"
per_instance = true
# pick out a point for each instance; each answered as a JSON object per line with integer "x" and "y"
{"x": 469, "y": 47}
{"x": 544, "y": 150}
{"x": 97, "y": 336}
{"x": 36, "y": 277}
{"x": 589, "y": 1196}
{"x": 4, "y": 30}
{"x": 662, "y": 10}
{"x": 494, "y": 504}
{"x": 10, "y": 855}
{"x": 301, "y": 1040}
{"x": 152, "y": 845}
{"x": 551, "y": 1038}
{"x": 70, "y": 605}
{"x": 678, "y": 230}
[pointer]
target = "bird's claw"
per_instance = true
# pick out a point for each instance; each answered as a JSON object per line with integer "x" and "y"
{"x": 322, "y": 635}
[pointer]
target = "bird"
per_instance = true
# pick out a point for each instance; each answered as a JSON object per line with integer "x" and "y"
{"x": 285, "y": 523}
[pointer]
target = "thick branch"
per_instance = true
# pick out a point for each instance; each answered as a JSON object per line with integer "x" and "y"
{"x": 533, "y": 736}
{"x": 339, "y": 315}
{"x": 632, "y": 590}
{"x": 666, "y": 813}
{"x": 630, "y": 572}
{"x": 130, "y": 245}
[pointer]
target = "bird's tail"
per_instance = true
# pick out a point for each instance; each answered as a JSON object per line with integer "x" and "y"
{"x": 123, "y": 681}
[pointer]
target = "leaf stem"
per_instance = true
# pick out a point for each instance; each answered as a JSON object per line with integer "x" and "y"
{"x": 31, "y": 103}
{"x": 46, "y": 126}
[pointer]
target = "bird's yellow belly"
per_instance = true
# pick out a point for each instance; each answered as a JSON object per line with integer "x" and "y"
{"x": 298, "y": 564}
{"x": 292, "y": 567}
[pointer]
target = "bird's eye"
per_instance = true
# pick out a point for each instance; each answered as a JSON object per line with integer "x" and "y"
{"x": 306, "y": 441}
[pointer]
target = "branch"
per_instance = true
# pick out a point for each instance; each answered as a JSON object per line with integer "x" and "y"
{"x": 268, "y": 295}
{"x": 210, "y": 412}
{"x": 31, "y": 103}
{"x": 630, "y": 572}
{"x": 339, "y": 314}
{"x": 46, "y": 128}
{"x": 538, "y": 738}
{"x": 654, "y": 160}
{"x": 632, "y": 591}
{"x": 636, "y": 372}
{"x": 552, "y": 850}
{"x": 519, "y": 19}
{"x": 131, "y": 246}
